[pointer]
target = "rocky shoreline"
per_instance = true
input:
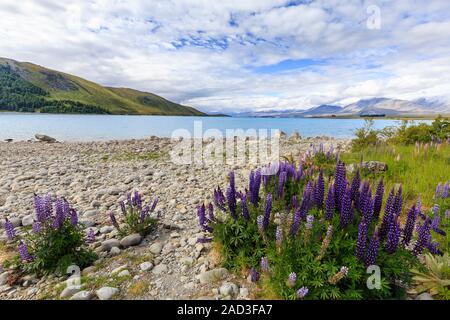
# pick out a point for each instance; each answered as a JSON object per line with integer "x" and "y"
{"x": 94, "y": 177}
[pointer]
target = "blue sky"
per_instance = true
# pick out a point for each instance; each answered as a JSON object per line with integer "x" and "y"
{"x": 240, "y": 55}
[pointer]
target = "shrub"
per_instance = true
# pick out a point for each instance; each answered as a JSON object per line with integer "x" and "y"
{"x": 312, "y": 244}
{"x": 366, "y": 136}
{"x": 56, "y": 239}
{"x": 435, "y": 279}
{"x": 136, "y": 216}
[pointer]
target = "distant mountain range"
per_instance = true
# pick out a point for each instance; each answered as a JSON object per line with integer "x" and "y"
{"x": 28, "y": 87}
{"x": 366, "y": 107}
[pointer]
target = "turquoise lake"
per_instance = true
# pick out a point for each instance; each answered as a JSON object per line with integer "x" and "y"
{"x": 20, "y": 126}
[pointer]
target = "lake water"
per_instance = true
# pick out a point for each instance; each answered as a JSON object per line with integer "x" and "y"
{"x": 22, "y": 126}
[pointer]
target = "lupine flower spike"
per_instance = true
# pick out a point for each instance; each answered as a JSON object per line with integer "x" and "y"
{"x": 343, "y": 272}
{"x": 302, "y": 292}
{"x": 292, "y": 279}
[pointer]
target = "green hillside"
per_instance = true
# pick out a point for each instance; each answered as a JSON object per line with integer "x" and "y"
{"x": 28, "y": 87}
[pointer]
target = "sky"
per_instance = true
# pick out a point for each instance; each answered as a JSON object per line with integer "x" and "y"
{"x": 240, "y": 55}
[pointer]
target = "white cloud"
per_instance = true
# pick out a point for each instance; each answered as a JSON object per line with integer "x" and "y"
{"x": 205, "y": 53}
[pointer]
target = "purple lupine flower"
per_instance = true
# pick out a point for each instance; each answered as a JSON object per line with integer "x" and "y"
{"x": 144, "y": 213}
{"x": 260, "y": 223}
{"x": 354, "y": 189}
{"x": 423, "y": 237}
{"x": 219, "y": 199}
{"x": 378, "y": 201}
{"x": 292, "y": 279}
{"x": 306, "y": 201}
{"x": 388, "y": 214}
{"x": 362, "y": 240}
{"x": 339, "y": 184}
{"x": 445, "y": 191}
{"x": 154, "y": 204}
{"x": 344, "y": 271}
{"x": 346, "y": 210}
{"x": 320, "y": 190}
{"x": 437, "y": 193}
{"x": 267, "y": 210}
{"x": 129, "y": 199}
{"x": 398, "y": 202}
{"x": 211, "y": 212}
{"x": 281, "y": 182}
{"x": 447, "y": 214}
{"x": 433, "y": 247}
{"x": 364, "y": 195}
{"x": 91, "y": 236}
{"x": 393, "y": 237}
{"x": 372, "y": 250}
{"x": 231, "y": 200}
{"x": 296, "y": 223}
{"x": 254, "y": 275}
{"x": 73, "y": 217}
{"x": 436, "y": 210}
{"x": 329, "y": 203}
{"x": 409, "y": 226}
{"x": 294, "y": 202}
{"x": 36, "y": 228}
{"x": 279, "y": 236}
{"x": 309, "y": 222}
{"x": 123, "y": 208}
{"x": 137, "y": 200}
{"x": 201, "y": 214}
{"x": 24, "y": 254}
{"x": 113, "y": 220}
{"x": 244, "y": 208}
{"x": 38, "y": 205}
{"x": 264, "y": 264}
{"x": 9, "y": 228}
{"x": 204, "y": 240}
{"x": 302, "y": 292}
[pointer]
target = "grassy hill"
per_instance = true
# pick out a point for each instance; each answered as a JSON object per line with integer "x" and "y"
{"x": 28, "y": 87}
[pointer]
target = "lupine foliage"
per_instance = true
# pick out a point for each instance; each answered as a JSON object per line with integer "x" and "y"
{"x": 136, "y": 216}
{"x": 327, "y": 236}
{"x": 55, "y": 241}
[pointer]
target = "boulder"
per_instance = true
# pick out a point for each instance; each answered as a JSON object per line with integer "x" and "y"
{"x": 375, "y": 166}
{"x": 44, "y": 138}
{"x": 108, "y": 244}
{"x": 106, "y": 293}
{"x": 131, "y": 240}
{"x": 212, "y": 275}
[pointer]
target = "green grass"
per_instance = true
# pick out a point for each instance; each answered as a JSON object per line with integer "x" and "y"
{"x": 419, "y": 170}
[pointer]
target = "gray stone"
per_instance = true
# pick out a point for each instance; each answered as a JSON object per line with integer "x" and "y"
{"x": 131, "y": 240}
{"x": 90, "y": 213}
{"x": 424, "y": 296}
{"x": 106, "y": 293}
{"x": 106, "y": 229}
{"x": 108, "y": 244}
{"x": 4, "y": 277}
{"x": 44, "y": 138}
{"x": 118, "y": 269}
{"x": 124, "y": 273}
{"x": 114, "y": 251}
{"x": 159, "y": 269}
{"x": 88, "y": 270}
{"x": 69, "y": 291}
{"x": 156, "y": 247}
{"x": 229, "y": 289}
{"x": 82, "y": 295}
{"x": 16, "y": 222}
{"x": 28, "y": 220}
{"x": 243, "y": 293}
{"x": 146, "y": 266}
{"x": 187, "y": 261}
{"x": 375, "y": 166}
{"x": 212, "y": 275}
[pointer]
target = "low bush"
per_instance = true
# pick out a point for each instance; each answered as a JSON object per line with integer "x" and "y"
{"x": 55, "y": 241}
{"x": 302, "y": 243}
{"x": 136, "y": 216}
